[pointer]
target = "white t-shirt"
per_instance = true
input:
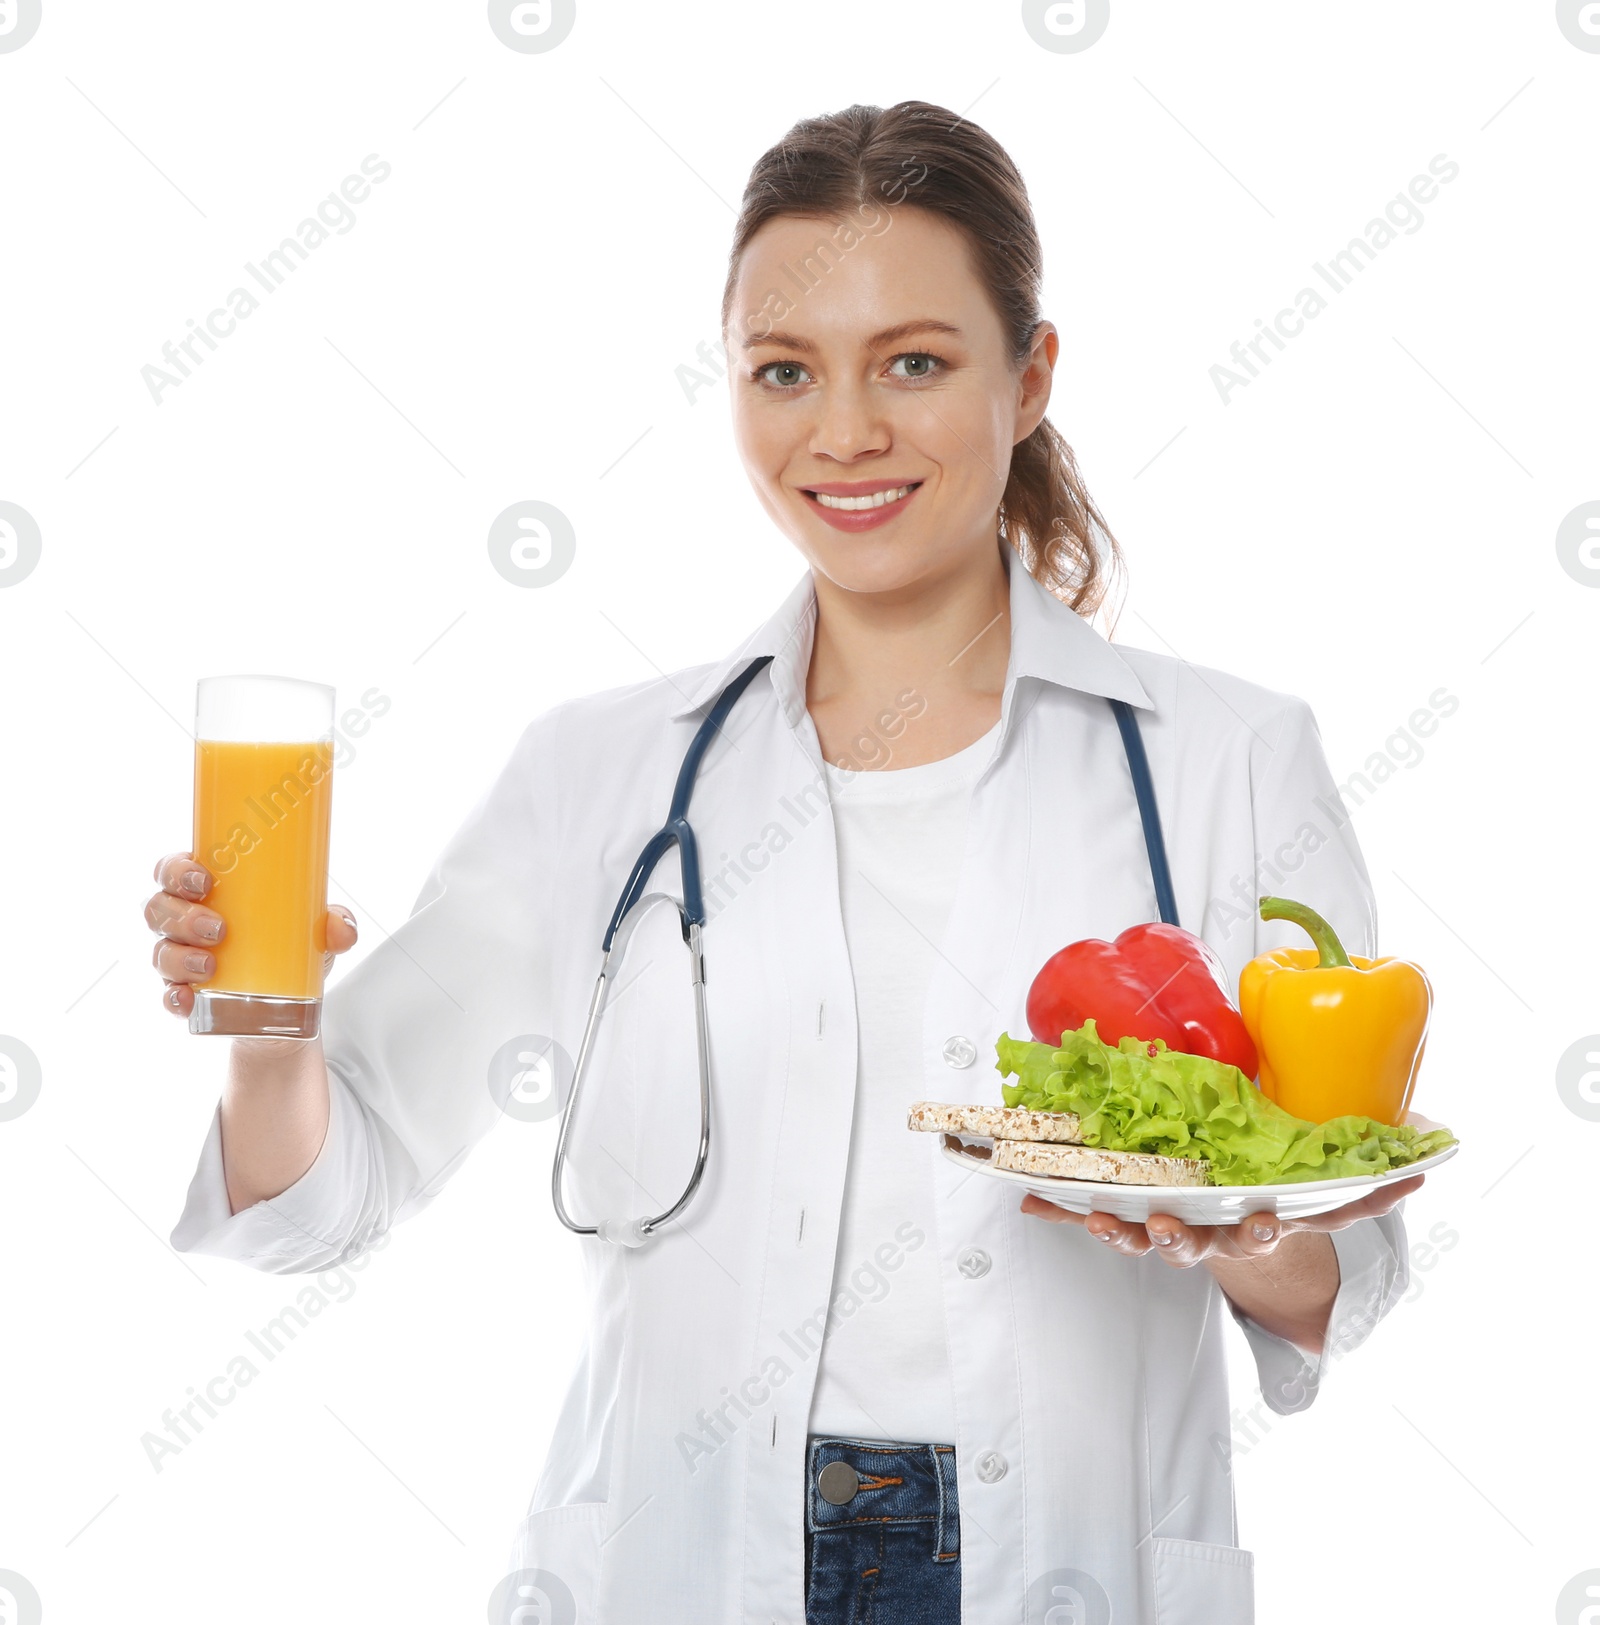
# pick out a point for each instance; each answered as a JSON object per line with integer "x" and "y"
{"x": 884, "y": 1369}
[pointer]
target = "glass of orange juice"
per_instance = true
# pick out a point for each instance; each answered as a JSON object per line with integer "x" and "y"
{"x": 263, "y": 802}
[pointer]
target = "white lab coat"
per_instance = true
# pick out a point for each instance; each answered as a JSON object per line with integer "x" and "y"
{"x": 1092, "y": 1412}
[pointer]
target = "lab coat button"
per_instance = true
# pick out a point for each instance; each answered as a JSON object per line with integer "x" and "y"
{"x": 973, "y": 1262}
{"x": 992, "y": 1467}
{"x": 960, "y": 1051}
{"x": 838, "y": 1482}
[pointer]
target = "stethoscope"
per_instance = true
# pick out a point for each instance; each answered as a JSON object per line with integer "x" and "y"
{"x": 678, "y": 832}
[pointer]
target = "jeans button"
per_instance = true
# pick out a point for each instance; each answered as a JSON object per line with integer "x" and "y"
{"x": 960, "y": 1051}
{"x": 992, "y": 1467}
{"x": 838, "y": 1482}
{"x": 973, "y": 1262}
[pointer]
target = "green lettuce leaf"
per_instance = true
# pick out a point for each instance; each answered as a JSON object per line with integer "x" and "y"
{"x": 1142, "y": 1096}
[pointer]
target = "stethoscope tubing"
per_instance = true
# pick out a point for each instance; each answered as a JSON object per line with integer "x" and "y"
{"x": 677, "y": 831}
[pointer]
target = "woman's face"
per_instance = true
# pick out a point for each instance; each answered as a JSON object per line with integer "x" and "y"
{"x": 870, "y": 360}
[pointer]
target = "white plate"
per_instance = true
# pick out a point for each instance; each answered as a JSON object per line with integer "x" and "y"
{"x": 1200, "y": 1204}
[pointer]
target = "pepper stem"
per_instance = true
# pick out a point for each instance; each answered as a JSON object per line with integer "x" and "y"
{"x": 1329, "y": 949}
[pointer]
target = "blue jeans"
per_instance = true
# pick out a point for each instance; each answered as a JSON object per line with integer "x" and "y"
{"x": 891, "y": 1554}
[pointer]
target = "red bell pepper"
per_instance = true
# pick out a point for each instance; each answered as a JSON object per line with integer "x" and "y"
{"x": 1154, "y": 981}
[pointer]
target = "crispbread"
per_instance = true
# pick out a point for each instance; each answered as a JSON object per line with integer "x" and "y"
{"x": 996, "y": 1122}
{"x": 1102, "y": 1167}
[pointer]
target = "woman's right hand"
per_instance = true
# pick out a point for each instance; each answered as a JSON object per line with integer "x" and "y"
{"x": 189, "y": 930}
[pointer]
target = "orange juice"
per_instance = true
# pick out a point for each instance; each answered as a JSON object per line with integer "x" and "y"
{"x": 262, "y": 813}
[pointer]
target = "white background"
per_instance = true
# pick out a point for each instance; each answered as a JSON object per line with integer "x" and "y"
{"x": 1371, "y": 520}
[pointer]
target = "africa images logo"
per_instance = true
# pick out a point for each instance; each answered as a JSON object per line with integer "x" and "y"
{"x": 532, "y": 1597}
{"x": 20, "y": 1081}
{"x": 1577, "y": 542}
{"x": 532, "y": 544}
{"x": 1065, "y": 25}
{"x": 1068, "y": 1597}
{"x": 20, "y": 544}
{"x": 335, "y": 216}
{"x": 532, "y": 26}
{"x": 1579, "y": 20}
{"x": 1402, "y": 216}
{"x": 19, "y": 22}
{"x": 19, "y": 1602}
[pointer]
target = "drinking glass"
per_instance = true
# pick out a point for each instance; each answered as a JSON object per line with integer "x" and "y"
{"x": 263, "y": 802}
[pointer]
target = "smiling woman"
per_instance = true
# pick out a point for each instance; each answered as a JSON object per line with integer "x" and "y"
{"x": 952, "y": 195}
{"x": 922, "y": 774}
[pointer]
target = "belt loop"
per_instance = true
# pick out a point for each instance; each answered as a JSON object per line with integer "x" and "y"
{"x": 947, "y": 1532}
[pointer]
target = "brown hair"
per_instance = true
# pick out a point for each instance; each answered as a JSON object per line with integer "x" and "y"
{"x": 928, "y": 158}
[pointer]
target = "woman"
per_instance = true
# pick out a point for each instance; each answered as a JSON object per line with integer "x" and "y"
{"x": 915, "y": 801}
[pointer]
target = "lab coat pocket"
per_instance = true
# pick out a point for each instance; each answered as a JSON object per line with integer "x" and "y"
{"x": 1197, "y": 1583}
{"x": 554, "y": 1578}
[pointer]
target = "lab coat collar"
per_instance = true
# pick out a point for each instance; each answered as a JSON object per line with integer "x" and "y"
{"x": 1049, "y": 641}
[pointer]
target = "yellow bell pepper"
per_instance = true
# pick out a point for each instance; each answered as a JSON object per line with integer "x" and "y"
{"x": 1336, "y": 1035}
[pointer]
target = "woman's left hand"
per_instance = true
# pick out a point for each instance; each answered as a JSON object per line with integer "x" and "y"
{"x": 1290, "y": 1294}
{"x": 1184, "y": 1245}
